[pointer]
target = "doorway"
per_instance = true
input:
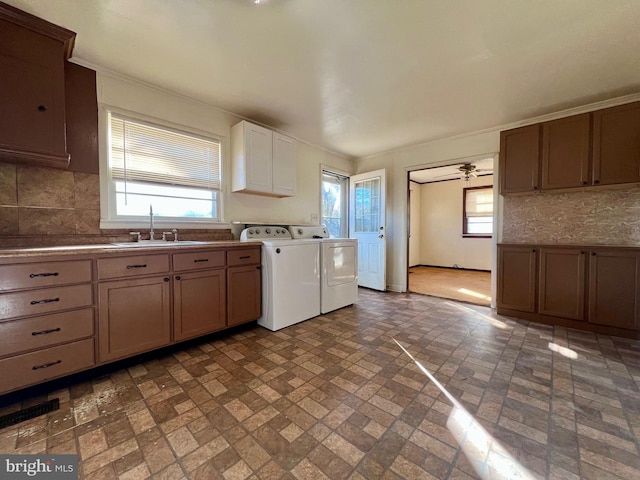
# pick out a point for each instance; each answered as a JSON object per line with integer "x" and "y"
{"x": 450, "y": 230}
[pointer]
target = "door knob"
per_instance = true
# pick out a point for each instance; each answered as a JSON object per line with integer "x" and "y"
{"x": 380, "y": 236}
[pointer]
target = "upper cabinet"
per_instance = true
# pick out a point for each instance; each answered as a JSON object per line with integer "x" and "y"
{"x": 616, "y": 145}
{"x": 264, "y": 162}
{"x": 566, "y": 152}
{"x": 591, "y": 149}
{"x": 32, "y": 89}
{"x": 520, "y": 159}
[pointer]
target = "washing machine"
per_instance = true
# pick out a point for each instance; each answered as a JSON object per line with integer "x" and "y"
{"x": 339, "y": 267}
{"x": 290, "y": 276}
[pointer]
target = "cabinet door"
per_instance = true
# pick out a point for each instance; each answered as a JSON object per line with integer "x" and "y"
{"x": 284, "y": 165}
{"x": 613, "y": 289}
{"x": 244, "y": 294}
{"x": 562, "y": 282}
{"x": 520, "y": 159}
{"x": 32, "y": 124}
{"x": 135, "y": 316}
{"x": 259, "y": 158}
{"x": 566, "y": 151}
{"x": 199, "y": 303}
{"x": 616, "y": 145}
{"x": 517, "y": 278}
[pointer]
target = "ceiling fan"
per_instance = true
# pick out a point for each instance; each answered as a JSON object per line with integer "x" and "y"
{"x": 467, "y": 171}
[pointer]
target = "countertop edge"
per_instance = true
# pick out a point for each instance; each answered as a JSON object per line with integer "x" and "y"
{"x": 71, "y": 250}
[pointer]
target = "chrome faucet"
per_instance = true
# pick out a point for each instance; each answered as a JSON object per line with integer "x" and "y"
{"x": 151, "y": 234}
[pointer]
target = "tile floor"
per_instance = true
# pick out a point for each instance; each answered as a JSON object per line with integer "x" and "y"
{"x": 335, "y": 397}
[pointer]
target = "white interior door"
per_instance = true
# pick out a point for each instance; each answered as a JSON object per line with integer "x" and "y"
{"x": 367, "y": 225}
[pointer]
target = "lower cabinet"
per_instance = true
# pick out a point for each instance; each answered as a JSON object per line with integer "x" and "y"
{"x": 562, "y": 283}
{"x": 199, "y": 303}
{"x": 135, "y": 316}
{"x": 243, "y": 298}
{"x": 594, "y": 288}
{"x": 517, "y": 278}
{"x": 614, "y": 296}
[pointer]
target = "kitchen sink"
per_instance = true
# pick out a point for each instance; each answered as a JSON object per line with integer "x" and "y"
{"x": 158, "y": 244}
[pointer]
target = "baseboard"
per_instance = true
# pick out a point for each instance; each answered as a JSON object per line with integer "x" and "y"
{"x": 452, "y": 268}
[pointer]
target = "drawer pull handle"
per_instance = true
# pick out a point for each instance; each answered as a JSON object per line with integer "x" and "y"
{"x": 34, "y": 275}
{"x": 47, "y": 300}
{"x": 201, "y": 260}
{"x": 129, "y": 267}
{"x": 45, "y": 332}
{"x": 46, "y": 365}
{"x": 244, "y": 257}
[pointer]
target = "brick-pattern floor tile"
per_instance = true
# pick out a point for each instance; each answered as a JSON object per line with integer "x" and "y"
{"x": 334, "y": 397}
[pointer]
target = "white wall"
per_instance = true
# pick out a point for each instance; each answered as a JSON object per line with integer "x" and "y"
{"x": 415, "y": 219}
{"x": 155, "y": 103}
{"x": 397, "y": 163}
{"x": 441, "y": 240}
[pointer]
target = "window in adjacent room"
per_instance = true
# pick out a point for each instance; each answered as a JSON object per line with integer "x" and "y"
{"x": 176, "y": 172}
{"x": 477, "y": 212}
{"x": 335, "y": 192}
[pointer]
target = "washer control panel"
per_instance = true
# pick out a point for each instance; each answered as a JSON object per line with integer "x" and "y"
{"x": 303, "y": 231}
{"x": 264, "y": 232}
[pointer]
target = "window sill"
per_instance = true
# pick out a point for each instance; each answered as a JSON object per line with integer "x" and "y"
{"x": 162, "y": 224}
{"x": 474, "y": 235}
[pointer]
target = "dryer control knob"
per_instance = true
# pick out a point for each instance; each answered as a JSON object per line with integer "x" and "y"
{"x": 268, "y": 231}
{"x": 257, "y": 231}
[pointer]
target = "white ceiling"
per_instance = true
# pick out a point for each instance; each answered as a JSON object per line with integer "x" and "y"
{"x": 484, "y": 166}
{"x": 363, "y": 76}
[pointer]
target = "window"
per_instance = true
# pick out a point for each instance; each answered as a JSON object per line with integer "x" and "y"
{"x": 334, "y": 203}
{"x": 177, "y": 173}
{"x": 477, "y": 212}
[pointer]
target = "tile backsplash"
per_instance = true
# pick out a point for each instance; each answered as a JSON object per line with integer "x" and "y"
{"x": 590, "y": 217}
{"x": 46, "y": 206}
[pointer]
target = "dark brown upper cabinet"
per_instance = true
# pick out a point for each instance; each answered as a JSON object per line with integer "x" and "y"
{"x": 566, "y": 148}
{"x": 616, "y": 145}
{"x": 520, "y": 159}
{"x": 32, "y": 89}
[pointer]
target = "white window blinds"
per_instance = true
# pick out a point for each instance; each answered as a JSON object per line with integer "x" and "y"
{"x": 479, "y": 202}
{"x": 145, "y": 153}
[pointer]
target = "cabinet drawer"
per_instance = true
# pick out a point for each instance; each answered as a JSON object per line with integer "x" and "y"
{"x": 34, "y": 367}
{"x": 198, "y": 260}
{"x": 46, "y": 274}
{"x": 40, "y": 332}
{"x": 45, "y": 300}
{"x": 245, "y": 256}
{"x": 132, "y": 266}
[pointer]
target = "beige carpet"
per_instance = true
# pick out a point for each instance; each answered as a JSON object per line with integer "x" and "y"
{"x": 457, "y": 284}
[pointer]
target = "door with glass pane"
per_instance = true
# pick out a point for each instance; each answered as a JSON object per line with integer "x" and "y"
{"x": 367, "y": 224}
{"x": 335, "y": 191}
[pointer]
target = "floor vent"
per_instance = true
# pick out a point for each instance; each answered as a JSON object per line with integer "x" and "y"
{"x": 28, "y": 413}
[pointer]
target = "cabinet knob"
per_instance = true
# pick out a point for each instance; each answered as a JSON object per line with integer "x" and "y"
{"x": 584, "y": 182}
{"x": 535, "y": 187}
{"x": 593, "y": 254}
{"x": 178, "y": 277}
{"x": 166, "y": 279}
{"x": 596, "y": 181}
{"x": 533, "y": 250}
{"x": 42, "y": 108}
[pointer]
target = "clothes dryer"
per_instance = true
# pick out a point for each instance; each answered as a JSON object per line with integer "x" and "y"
{"x": 339, "y": 267}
